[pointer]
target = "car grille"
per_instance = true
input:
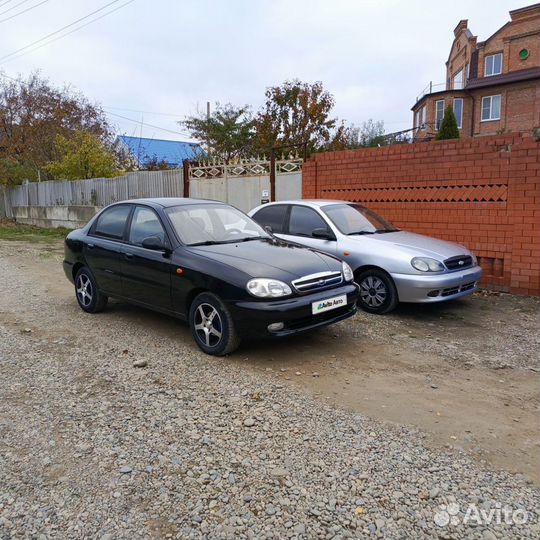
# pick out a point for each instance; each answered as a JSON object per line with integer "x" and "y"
{"x": 460, "y": 288}
{"x": 316, "y": 282}
{"x": 459, "y": 262}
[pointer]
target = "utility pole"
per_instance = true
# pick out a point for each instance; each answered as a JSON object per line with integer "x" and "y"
{"x": 208, "y": 118}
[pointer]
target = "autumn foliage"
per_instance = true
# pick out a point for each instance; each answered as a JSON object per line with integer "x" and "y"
{"x": 34, "y": 118}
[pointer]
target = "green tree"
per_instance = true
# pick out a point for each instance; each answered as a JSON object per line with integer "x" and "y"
{"x": 227, "y": 132}
{"x": 32, "y": 114}
{"x": 449, "y": 128}
{"x": 14, "y": 172}
{"x": 82, "y": 156}
{"x": 296, "y": 112}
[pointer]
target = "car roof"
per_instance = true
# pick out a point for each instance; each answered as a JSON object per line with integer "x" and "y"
{"x": 167, "y": 202}
{"x": 312, "y": 202}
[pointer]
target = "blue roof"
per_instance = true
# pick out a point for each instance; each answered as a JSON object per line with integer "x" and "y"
{"x": 173, "y": 152}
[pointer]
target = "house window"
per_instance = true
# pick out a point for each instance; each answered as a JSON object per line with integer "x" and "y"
{"x": 417, "y": 119}
{"x": 493, "y": 65}
{"x": 457, "y": 82}
{"x": 458, "y": 111}
{"x": 491, "y": 108}
{"x": 439, "y": 113}
{"x": 423, "y": 117}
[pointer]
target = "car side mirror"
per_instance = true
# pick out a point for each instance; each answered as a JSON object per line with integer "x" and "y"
{"x": 154, "y": 243}
{"x": 268, "y": 229}
{"x": 323, "y": 234}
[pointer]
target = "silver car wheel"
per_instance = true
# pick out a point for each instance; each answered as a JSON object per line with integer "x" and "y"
{"x": 373, "y": 291}
{"x": 208, "y": 325}
{"x": 85, "y": 291}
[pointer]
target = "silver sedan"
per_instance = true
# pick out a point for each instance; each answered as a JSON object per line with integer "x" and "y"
{"x": 390, "y": 265}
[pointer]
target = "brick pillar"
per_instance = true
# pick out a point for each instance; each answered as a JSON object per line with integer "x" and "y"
{"x": 309, "y": 179}
{"x": 523, "y": 209}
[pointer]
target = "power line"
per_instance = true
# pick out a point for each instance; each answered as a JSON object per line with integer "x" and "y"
{"x": 150, "y": 125}
{"x": 140, "y": 122}
{"x": 2, "y": 74}
{"x": 183, "y": 133}
{"x": 144, "y": 112}
{"x": 5, "y": 2}
{"x": 67, "y": 33}
{"x": 23, "y": 11}
{"x": 13, "y": 7}
{"x": 15, "y": 54}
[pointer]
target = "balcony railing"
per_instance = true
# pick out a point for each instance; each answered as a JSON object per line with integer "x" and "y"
{"x": 438, "y": 87}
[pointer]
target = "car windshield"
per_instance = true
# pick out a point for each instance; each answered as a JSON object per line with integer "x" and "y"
{"x": 354, "y": 219}
{"x": 207, "y": 224}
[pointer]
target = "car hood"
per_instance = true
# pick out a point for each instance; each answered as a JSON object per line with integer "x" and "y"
{"x": 269, "y": 258}
{"x": 420, "y": 245}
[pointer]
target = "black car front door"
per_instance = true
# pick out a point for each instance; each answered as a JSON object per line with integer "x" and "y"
{"x": 103, "y": 246}
{"x": 146, "y": 273}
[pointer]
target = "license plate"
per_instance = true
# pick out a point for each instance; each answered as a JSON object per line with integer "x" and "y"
{"x": 328, "y": 304}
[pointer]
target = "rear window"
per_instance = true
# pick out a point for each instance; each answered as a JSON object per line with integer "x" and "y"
{"x": 272, "y": 216}
{"x": 112, "y": 222}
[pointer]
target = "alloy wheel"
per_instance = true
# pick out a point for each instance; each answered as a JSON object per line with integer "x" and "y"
{"x": 85, "y": 290}
{"x": 208, "y": 325}
{"x": 373, "y": 291}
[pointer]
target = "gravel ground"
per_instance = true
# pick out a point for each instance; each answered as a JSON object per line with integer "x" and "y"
{"x": 189, "y": 446}
{"x": 496, "y": 330}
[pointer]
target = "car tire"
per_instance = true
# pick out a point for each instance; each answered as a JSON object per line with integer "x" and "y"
{"x": 378, "y": 293}
{"x": 89, "y": 297}
{"x": 212, "y": 326}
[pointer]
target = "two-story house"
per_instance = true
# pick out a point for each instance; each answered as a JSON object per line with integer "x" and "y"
{"x": 493, "y": 86}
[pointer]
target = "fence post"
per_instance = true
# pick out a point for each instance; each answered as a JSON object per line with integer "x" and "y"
{"x": 3, "y": 205}
{"x": 185, "y": 170}
{"x": 272, "y": 175}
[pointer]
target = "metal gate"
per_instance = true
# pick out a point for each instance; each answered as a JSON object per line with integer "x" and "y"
{"x": 245, "y": 183}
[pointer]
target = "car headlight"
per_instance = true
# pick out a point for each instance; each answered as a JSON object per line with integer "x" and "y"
{"x": 426, "y": 264}
{"x": 267, "y": 288}
{"x": 348, "y": 274}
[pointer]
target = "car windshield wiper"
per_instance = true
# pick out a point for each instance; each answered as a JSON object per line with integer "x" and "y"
{"x": 360, "y": 232}
{"x": 215, "y": 242}
{"x": 382, "y": 231}
{"x": 245, "y": 239}
{"x": 206, "y": 243}
{"x": 248, "y": 238}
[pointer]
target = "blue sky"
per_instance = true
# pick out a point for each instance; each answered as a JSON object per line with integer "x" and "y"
{"x": 171, "y": 56}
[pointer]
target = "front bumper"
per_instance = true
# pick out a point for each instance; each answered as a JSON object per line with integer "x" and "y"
{"x": 437, "y": 288}
{"x": 253, "y": 317}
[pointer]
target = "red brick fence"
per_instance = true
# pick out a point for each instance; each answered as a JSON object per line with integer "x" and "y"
{"x": 483, "y": 192}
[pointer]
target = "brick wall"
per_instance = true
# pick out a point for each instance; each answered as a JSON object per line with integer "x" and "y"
{"x": 482, "y": 192}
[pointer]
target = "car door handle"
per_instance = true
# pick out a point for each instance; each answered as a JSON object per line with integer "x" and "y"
{"x": 90, "y": 246}
{"x": 128, "y": 255}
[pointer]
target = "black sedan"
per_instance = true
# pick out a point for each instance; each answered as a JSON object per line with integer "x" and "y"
{"x": 208, "y": 263}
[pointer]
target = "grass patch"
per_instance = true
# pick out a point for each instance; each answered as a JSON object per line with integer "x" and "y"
{"x": 10, "y": 230}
